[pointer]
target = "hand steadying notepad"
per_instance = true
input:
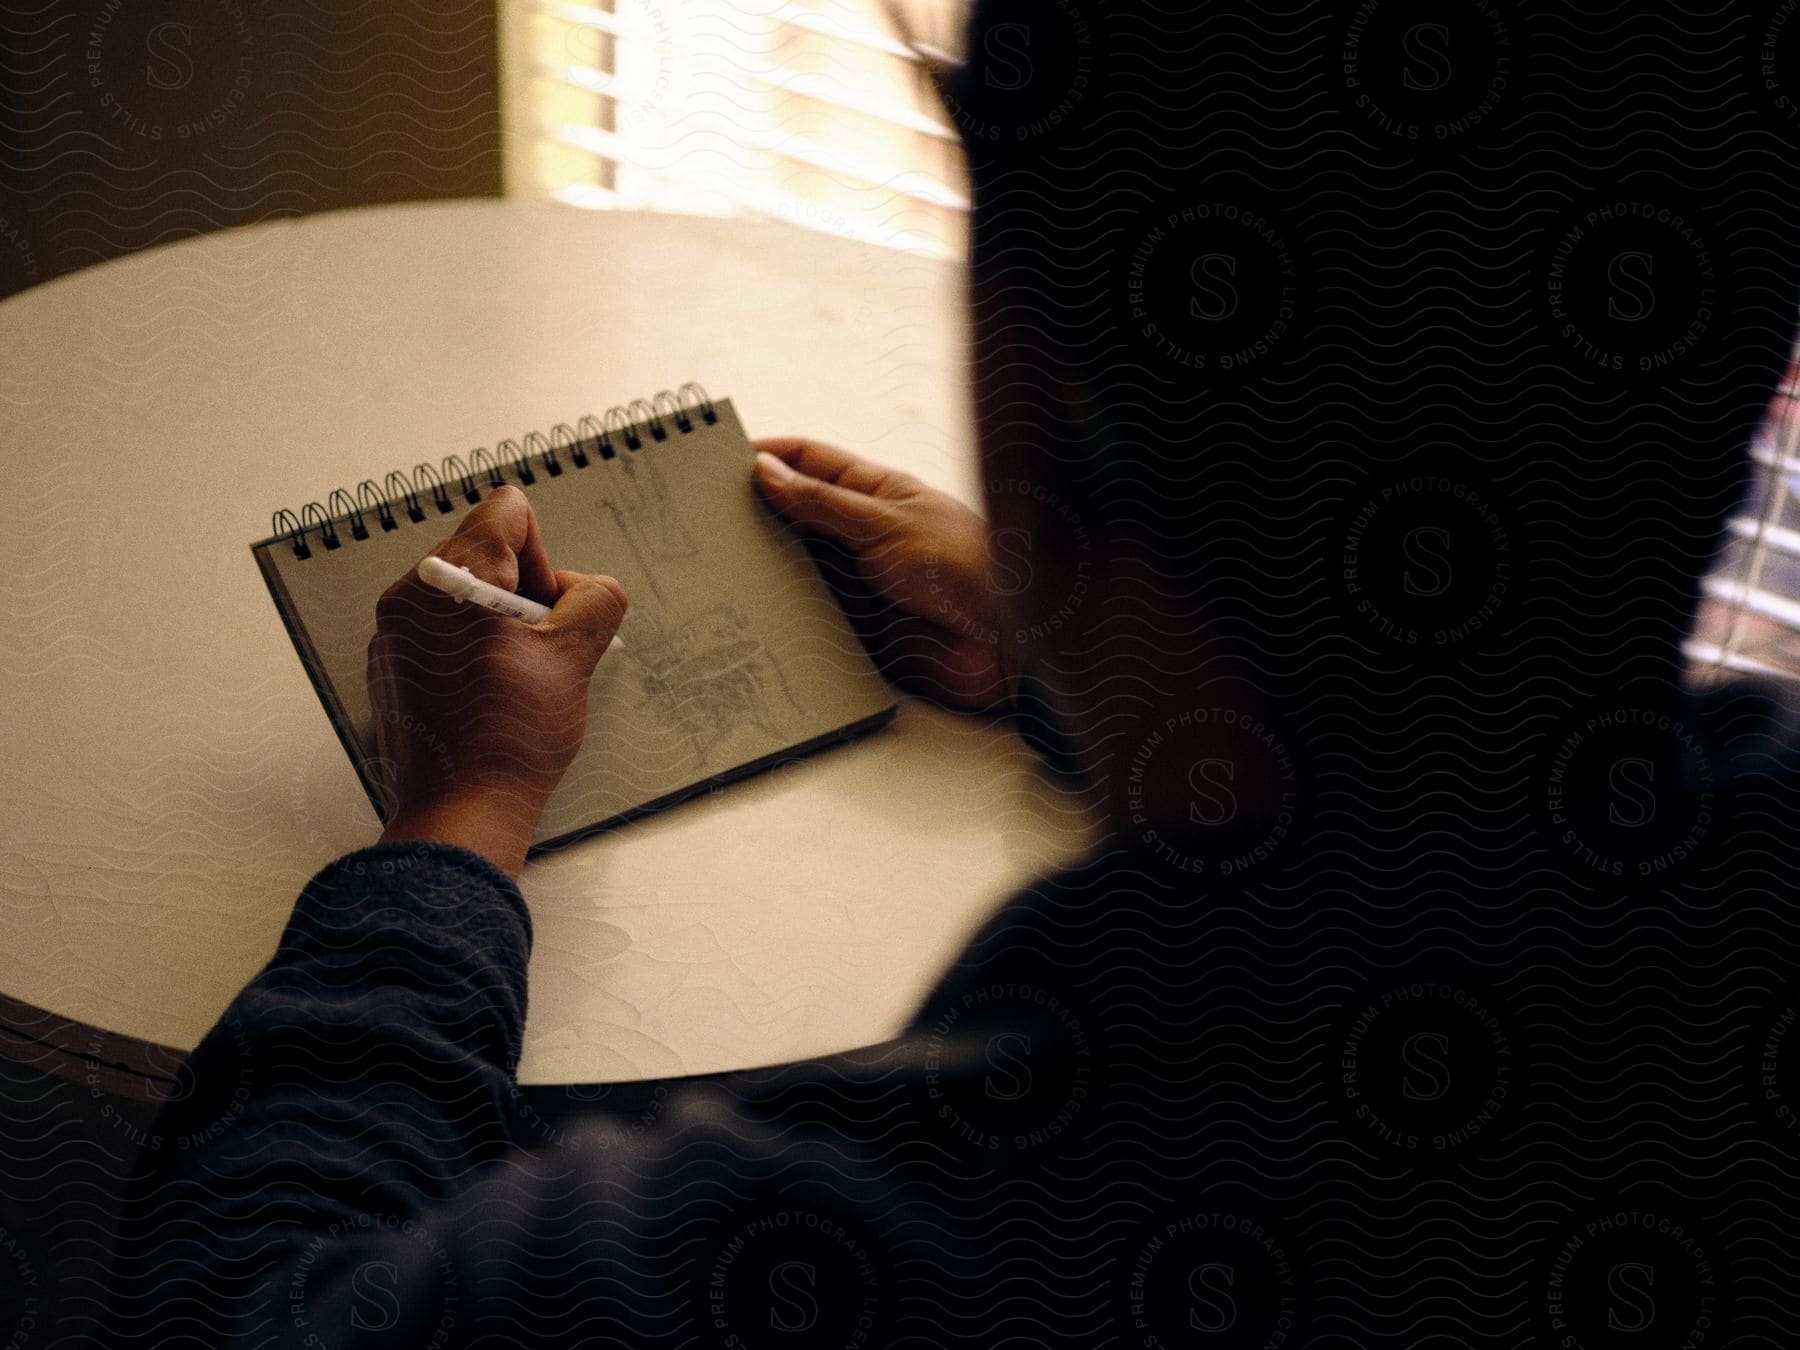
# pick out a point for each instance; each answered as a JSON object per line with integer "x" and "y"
{"x": 733, "y": 656}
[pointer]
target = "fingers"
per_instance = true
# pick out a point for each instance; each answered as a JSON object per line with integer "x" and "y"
{"x": 851, "y": 517}
{"x": 816, "y": 459}
{"x": 588, "y": 613}
{"x": 499, "y": 542}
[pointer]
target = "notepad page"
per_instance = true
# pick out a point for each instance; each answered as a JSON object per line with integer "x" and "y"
{"x": 733, "y": 649}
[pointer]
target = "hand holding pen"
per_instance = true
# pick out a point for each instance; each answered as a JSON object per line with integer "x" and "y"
{"x": 464, "y": 587}
{"x": 478, "y": 709}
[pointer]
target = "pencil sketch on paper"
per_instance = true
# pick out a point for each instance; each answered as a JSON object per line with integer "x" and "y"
{"x": 710, "y": 678}
{"x": 644, "y": 509}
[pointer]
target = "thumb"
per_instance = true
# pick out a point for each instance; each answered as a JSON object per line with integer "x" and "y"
{"x": 843, "y": 514}
{"x": 587, "y": 612}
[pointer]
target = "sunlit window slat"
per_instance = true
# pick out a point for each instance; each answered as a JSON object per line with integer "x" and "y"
{"x": 821, "y": 113}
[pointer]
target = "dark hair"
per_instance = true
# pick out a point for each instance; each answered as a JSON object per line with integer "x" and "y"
{"x": 1233, "y": 310}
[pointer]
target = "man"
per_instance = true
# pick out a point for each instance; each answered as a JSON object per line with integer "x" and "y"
{"x": 1357, "y": 422}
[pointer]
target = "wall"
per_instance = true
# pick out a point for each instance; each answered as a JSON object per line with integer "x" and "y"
{"x": 126, "y": 123}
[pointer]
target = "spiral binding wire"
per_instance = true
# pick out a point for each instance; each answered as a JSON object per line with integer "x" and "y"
{"x": 589, "y": 437}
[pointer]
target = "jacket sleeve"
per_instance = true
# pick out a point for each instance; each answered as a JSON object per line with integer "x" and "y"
{"x": 364, "y": 1076}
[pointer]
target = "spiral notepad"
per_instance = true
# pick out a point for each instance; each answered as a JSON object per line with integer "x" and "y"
{"x": 734, "y": 654}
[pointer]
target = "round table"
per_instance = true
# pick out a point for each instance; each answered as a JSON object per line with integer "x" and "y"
{"x": 170, "y": 779}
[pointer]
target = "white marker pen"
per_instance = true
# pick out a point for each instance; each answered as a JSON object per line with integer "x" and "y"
{"x": 462, "y": 584}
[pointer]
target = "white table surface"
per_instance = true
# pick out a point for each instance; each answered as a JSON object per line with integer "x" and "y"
{"x": 169, "y": 778}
